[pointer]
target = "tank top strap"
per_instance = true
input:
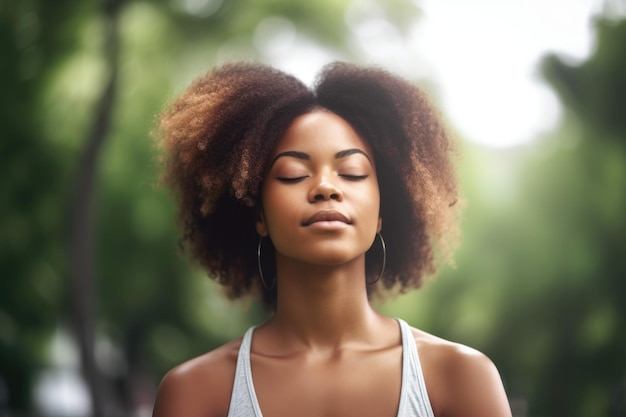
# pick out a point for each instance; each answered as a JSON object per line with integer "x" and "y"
{"x": 414, "y": 401}
{"x": 243, "y": 400}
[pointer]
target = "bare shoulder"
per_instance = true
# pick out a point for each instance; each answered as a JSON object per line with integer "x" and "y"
{"x": 461, "y": 381}
{"x": 199, "y": 387}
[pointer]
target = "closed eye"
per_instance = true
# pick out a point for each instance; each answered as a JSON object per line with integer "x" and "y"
{"x": 291, "y": 179}
{"x": 353, "y": 177}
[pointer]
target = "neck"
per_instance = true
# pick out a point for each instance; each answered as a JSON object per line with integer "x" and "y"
{"x": 323, "y": 307}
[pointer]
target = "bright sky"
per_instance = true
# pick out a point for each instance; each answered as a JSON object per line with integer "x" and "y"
{"x": 482, "y": 55}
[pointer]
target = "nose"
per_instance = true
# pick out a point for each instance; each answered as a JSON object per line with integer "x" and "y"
{"x": 325, "y": 190}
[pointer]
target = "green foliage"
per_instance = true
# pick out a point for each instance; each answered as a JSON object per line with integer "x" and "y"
{"x": 595, "y": 89}
{"x": 32, "y": 194}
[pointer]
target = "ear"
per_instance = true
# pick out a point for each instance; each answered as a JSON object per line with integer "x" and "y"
{"x": 379, "y": 227}
{"x": 261, "y": 226}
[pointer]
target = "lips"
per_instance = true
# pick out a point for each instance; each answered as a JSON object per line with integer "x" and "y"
{"x": 326, "y": 216}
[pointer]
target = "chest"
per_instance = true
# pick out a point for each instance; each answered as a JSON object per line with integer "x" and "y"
{"x": 364, "y": 385}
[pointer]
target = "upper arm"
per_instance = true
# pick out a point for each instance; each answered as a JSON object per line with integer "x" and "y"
{"x": 475, "y": 388}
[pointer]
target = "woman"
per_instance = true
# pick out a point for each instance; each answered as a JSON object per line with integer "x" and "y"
{"x": 287, "y": 193}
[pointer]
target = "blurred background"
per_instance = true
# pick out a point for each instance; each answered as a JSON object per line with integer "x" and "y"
{"x": 96, "y": 300}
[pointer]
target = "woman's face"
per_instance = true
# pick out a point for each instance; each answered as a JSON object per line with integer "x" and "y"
{"x": 320, "y": 196}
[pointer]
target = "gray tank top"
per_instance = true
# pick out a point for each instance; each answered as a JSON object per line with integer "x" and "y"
{"x": 414, "y": 400}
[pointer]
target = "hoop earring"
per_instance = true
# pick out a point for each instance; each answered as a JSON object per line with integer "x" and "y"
{"x": 382, "y": 270}
{"x": 258, "y": 258}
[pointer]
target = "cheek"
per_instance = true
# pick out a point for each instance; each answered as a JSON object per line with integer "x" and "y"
{"x": 373, "y": 198}
{"x": 276, "y": 207}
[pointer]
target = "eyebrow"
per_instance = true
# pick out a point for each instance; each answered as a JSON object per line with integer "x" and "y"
{"x": 305, "y": 156}
{"x": 348, "y": 152}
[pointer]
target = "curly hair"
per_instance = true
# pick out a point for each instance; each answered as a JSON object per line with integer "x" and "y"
{"x": 217, "y": 137}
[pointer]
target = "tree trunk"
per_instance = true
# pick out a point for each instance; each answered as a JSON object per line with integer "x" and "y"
{"x": 82, "y": 249}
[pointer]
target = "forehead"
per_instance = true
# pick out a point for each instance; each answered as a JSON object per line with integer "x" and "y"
{"x": 321, "y": 131}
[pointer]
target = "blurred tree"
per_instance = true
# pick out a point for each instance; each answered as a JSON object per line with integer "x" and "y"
{"x": 81, "y": 248}
{"x": 33, "y": 169}
{"x": 590, "y": 331}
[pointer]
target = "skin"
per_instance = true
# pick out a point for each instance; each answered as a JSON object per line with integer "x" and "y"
{"x": 326, "y": 350}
